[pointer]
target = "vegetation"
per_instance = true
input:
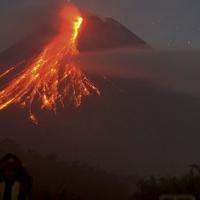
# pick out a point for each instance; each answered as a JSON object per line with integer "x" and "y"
{"x": 54, "y": 179}
{"x": 153, "y": 188}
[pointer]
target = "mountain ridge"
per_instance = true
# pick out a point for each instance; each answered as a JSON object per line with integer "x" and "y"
{"x": 96, "y": 34}
{"x": 106, "y": 33}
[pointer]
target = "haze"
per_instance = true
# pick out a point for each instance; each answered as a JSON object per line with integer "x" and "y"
{"x": 147, "y": 118}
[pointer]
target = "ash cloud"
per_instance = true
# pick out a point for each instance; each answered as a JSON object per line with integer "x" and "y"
{"x": 175, "y": 70}
{"x": 19, "y": 19}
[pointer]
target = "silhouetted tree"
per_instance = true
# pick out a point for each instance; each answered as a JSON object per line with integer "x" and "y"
{"x": 54, "y": 179}
{"x": 152, "y": 188}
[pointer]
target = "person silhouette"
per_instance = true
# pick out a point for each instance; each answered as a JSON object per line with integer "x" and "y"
{"x": 15, "y": 183}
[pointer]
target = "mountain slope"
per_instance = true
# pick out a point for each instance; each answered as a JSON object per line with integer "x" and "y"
{"x": 98, "y": 33}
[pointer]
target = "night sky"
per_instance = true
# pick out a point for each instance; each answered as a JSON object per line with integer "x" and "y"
{"x": 162, "y": 23}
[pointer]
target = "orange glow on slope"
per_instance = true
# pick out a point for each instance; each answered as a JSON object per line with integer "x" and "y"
{"x": 52, "y": 76}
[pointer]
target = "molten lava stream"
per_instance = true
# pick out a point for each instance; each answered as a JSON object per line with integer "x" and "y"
{"x": 52, "y": 76}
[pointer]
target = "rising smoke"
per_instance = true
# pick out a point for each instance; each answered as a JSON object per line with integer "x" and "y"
{"x": 19, "y": 19}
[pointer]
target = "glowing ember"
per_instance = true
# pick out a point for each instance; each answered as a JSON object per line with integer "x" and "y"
{"x": 6, "y": 72}
{"x": 52, "y": 76}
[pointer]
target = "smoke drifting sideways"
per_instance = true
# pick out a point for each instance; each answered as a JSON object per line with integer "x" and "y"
{"x": 173, "y": 70}
{"x": 20, "y": 19}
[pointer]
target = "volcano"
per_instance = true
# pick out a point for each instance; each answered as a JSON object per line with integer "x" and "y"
{"x": 96, "y": 34}
{"x": 51, "y": 75}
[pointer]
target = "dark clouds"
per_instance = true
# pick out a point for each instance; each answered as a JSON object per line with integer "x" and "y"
{"x": 24, "y": 17}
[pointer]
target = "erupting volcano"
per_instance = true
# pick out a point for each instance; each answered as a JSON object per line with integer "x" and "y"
{"x": 53, "y": 76}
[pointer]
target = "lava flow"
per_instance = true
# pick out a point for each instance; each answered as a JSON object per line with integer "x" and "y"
{"x": 52, "y": 76}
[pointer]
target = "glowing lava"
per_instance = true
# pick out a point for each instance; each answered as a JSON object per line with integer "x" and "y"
{"x": 53, "y": 76}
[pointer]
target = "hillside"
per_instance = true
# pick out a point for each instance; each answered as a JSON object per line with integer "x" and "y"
{"x": 98, "y": 33}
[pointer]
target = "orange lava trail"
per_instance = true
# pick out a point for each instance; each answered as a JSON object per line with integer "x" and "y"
{"x": 52, "y": 76}
{"x": 6, "y": 72}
